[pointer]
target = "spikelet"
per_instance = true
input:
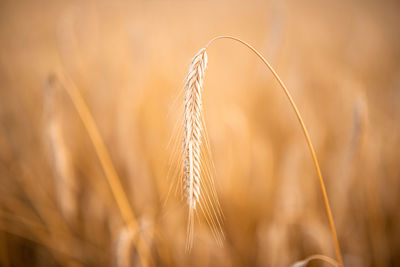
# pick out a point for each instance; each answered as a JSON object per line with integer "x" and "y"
{"x": 198, "y": 182}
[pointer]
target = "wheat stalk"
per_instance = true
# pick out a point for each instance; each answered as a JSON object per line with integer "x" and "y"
{"x": 193, "y": 135}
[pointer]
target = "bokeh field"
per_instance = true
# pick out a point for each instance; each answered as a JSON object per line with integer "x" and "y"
{"x": 128, "y": 60}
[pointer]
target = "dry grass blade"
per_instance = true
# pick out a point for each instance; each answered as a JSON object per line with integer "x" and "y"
{"x": 108, "y": 167}
{"x": 62, "y": 245}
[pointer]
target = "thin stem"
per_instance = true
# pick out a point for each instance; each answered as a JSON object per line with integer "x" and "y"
{"x": 307, "y": 136}
{"x": 108, "y": 167}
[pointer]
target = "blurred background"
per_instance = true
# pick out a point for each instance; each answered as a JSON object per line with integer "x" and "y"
{"x": 128, "y": 59}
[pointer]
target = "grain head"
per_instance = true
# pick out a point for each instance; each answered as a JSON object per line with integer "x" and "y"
{"x": 198, "y": 182}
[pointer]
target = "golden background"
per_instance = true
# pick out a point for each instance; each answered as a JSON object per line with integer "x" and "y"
{"x": 128, "y": 59}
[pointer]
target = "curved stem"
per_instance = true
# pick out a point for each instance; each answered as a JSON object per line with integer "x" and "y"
{"x": 307, "y": 136}
{"x": 322, "y": 258}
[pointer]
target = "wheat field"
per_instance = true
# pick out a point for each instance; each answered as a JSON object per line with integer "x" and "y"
{"x": 92, "y": 139}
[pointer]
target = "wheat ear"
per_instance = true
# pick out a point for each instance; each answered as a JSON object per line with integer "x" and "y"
{"x": 196, "y": 72}
{"x": 197, "y": 176}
